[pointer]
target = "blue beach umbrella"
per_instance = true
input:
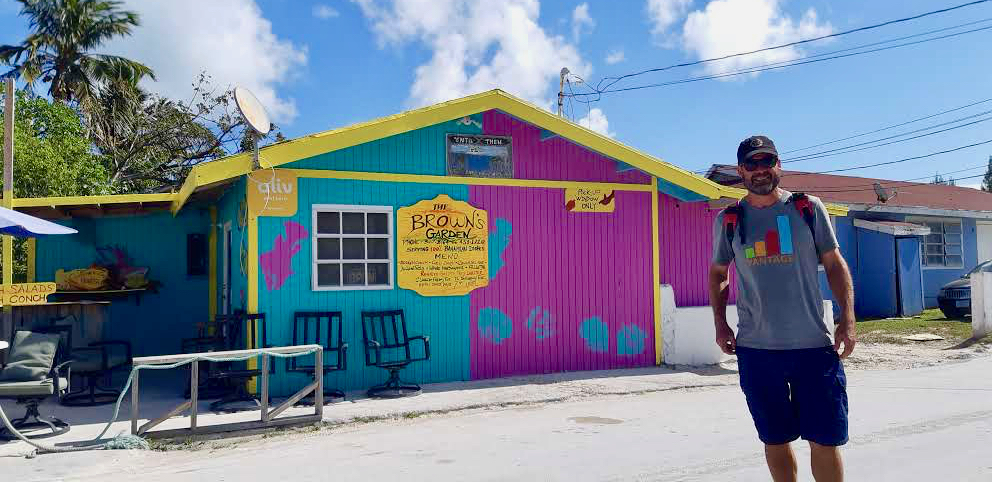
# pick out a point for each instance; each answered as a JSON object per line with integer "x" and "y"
{"x": 25, "y": 226}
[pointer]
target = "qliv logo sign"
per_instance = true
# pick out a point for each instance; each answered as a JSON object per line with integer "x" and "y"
{"x": 272, "y": 192}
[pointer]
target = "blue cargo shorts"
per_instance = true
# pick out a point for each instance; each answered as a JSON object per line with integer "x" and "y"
{"x": 795, "y": 393}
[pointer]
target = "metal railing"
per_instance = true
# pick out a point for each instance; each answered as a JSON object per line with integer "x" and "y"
{"x": 268, "y": 417}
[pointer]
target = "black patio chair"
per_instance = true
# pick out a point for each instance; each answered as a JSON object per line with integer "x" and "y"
{"x": 35, "y": 370}
{"x": 207, "y": 387}
{"x": 239, "y": 331}
{"x": 95, "y": 363}
{"x": 322, "y": 328}
{"x": 387, "y": 346}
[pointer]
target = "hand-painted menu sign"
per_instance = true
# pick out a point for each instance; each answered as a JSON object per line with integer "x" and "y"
{"x": 272, "y": 192}
{"x": 26, "y": 293}
{"x": 443, "y": 247}
{"x": 479, "y": 156}
{"x": 585, "y": 200}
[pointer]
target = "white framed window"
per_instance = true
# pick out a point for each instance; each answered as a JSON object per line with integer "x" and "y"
{"x": 944, "y": 246}
{"x": 352, "y": 247}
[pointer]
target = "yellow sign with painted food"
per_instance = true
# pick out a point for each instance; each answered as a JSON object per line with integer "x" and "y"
{"x": 84, "y": 279}
{"x": 443, "y": 247}
{"x": 26, "y": 293}
{"x": 586, "y": 200}
{"x": 272, "y": 192}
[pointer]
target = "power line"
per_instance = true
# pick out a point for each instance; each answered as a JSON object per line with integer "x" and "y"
{"x": 887, "y": 186}
{"x": 828, "y": 154}
{"x": 865, "y": 166}
{"x": 831, "y": 152}
{"x": 777, "y": 65}
{"x": 792, "y": 44}
{"x": 888, "y": 127}
{"x": 887, "y": 183}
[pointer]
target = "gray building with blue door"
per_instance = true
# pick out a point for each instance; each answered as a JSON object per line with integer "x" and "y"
{"x": 902, "y": 240}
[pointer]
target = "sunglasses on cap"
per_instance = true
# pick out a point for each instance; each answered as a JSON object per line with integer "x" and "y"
{"x": 764, "y": 162}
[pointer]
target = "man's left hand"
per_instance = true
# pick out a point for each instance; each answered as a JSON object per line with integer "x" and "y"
{"x": 845, "y": 333}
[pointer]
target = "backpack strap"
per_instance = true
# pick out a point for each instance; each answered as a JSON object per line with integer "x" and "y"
{"x": 805, "y": 207}
{"x": 733, "y": 221}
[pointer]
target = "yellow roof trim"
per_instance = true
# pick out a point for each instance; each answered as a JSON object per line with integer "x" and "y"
{"x": 328, "y": 141}
{"x": 84, "y": 200}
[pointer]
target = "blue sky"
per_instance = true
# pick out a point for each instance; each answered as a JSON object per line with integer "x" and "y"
{"x": 325, "y": 64}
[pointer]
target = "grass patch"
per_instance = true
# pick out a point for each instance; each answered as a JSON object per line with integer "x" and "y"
{"x": 891, "y": 330}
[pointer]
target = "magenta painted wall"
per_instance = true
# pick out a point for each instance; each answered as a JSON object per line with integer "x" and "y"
{"x": 568, "y": 291}
{"x": 685, "y": 231}
{"x": 555, "y": 158}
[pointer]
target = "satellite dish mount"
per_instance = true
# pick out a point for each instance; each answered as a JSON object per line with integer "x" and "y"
{"x": 255, "y": 116}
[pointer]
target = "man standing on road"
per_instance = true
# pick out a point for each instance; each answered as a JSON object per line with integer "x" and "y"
{"x": 790, "y": 371}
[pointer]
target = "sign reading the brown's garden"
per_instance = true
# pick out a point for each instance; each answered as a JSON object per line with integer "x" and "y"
{"x": 443, "y": 247}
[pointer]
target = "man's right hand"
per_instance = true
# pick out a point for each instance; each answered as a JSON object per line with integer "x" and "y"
{"x": 725, "y": 338}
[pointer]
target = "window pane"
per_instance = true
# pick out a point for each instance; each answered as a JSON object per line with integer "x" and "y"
{"x": 935, "y": 238}
{"x": 354, "y": 248}
{"x": 328, "y": 223}
{"x": 354, "y": 274}
{"x": 378, "y": 223}
{"x": 378, "y": 274}
{"x": 353, "y": 223}
{"x": 935, "y": 227}
{"x": 953, "y": 249}
{"x": 952, "y": 238}
{"x": 329, "y": 274}
{"x": 378, "y": 248}
{"x": 954, "y": 260}
{"x": 935, "y": 249}
{"x": 952, "y": 227}
{"x": 935, "y": 260}
{"x": 328, "y": 248}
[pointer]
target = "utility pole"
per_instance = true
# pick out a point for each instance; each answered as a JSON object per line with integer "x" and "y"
{"x": 561, "y": 89}
{"x": 8, "y": 196}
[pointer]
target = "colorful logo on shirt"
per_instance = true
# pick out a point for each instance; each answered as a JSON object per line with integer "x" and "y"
{"x": 775, "y": 248}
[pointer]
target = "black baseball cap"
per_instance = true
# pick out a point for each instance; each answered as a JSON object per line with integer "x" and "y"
{"x": 755, "y": 145}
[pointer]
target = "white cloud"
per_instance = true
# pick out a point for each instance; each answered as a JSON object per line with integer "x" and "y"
{"x": 665, "y": 13}
{"x": 476, "y": 46}
{"x": 730, "y": 26}
{"x": 324, "y": 12}
{"x": 229, "y": 39}
{"x": 596, "y": 121}
{"x": 581, "y": 21}
{"x": 615, "y": 57}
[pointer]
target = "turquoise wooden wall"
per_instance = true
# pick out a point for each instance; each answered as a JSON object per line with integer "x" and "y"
{"x": 416, "y": 152}
{"x": 157, "y": 241}
{"x": 444, "y": 319}
{"x": 228, "y": 211}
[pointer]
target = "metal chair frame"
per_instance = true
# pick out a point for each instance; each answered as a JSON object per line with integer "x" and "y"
{"x": 237, "y": 327}
{"x": 335, "y": 349}
{"x": 376, "y": 328}
{"x": 92, "y": 393}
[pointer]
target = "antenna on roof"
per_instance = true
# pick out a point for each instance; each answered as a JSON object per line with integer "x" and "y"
{"x": 255, "y": 116}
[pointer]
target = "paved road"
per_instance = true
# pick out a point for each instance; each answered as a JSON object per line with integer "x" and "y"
{"x": 931, "y": 424}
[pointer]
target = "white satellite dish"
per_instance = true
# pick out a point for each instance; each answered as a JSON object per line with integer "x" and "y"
{"x": 252, "y": 110}
{"x": 255, "y": 116}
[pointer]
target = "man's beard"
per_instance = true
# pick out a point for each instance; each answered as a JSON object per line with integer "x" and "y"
{"x": 762, "y": 184}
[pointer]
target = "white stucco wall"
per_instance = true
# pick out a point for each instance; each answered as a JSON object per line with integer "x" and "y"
{"x": 689, "y": 337}
{"x": 981, "y": 304}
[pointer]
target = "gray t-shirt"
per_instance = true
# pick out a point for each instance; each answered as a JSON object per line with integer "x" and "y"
{"x": 779, "y": 305}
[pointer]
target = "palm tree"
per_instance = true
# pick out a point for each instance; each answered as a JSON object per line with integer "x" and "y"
{"x": 59, "y": 49}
